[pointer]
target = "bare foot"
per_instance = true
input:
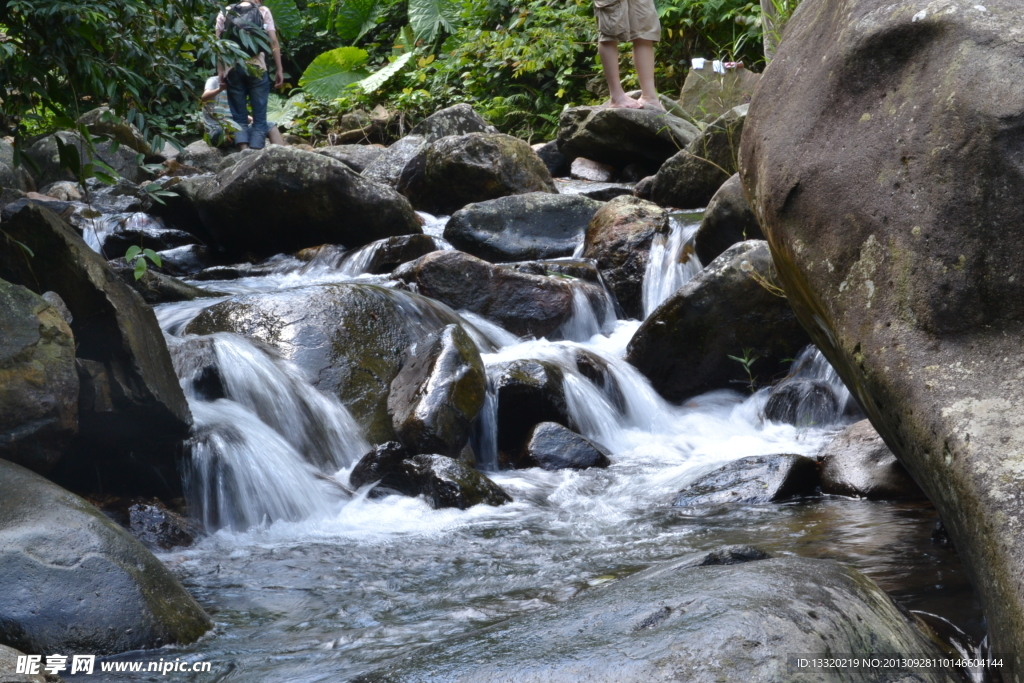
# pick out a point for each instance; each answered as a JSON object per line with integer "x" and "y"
{"x": 624, "y": 102}
{"x": 651, "y": 104}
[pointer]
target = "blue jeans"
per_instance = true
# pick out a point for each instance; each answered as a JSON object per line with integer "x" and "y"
{"x": 255, "y": 89}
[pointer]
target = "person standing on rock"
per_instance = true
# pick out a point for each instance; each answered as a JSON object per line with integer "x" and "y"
{"x": 630, "y": 21}
{"x": 250, "y": 25}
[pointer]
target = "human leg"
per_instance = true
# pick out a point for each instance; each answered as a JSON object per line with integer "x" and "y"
{"x": 259, "y": 94}
{"x": 643, "y": 58}
{"x": 608, "y": 50}
{"x": 237, "y": 92}
{"x": 274, "y": 135}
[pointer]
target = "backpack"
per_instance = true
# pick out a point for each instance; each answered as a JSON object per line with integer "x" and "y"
{"x": 244, "y": 25}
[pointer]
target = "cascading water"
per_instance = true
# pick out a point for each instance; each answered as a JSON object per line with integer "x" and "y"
{"x": 672, "y": 261}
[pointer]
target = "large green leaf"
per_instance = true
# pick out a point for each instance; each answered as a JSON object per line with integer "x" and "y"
{"x": 286, "y": 17}
{"x": 283, "y": 111}
{"x": 326, "y": 77}
{"x": 356, "y": 17}
{"x": 429, "y": 16}
{"x": 378, "y": 78}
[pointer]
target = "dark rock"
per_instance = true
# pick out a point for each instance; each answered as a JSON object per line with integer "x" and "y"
{"x": 643, "y": 188}
{"x": 690, "y": 178}
{"x": 558, "y": 165}
{"x": 858, "y": 463}
{"x": 663, "y": 625}
{"x": 733, "y": 554}
{"x": 389, "y": 166}
{"x": 76, "y": 582}
{"x": 202, "y": 156}
{"x": 444, "y": 482}
{"x": 461, "y": 169}
{"x": 195, "y": 361}
{"x": 180, "y": 211}
{"x": 38, "y": 382}
{"x": 59, "y": 208}
{"x": 883, "y": 218}
{"x": 104, "y": 122}
{"x": 457, "y": 120}
{"x": 528, "y": 392}
{"x": 184, "y": 261}
{"x": 605, "y": 192}
{"x": 156, "y": 527}
{"x": 44, "y": 155}
{"x": 438, "y": 393}
{"x": 349, "y": 338}
{"x": 13, "y": 177}
{"x": 383, "y": 256}
{"x": 129, "y": 392}
{"x": 803, "y": 402}
{"x": 622, "y": 136}
{"x": 522, "y": 304}
{"x": 752, "y": 480}
{"x": 281, "y": 199}
{"x": 553, "y": 447}
{"x": 580, "y": 269}
{"x": 594, "y": 171}
{"x": 157, "y": 288}
{"x": 619, "y": 239}
{"x": 728, "y": 220}
{"x": 356, "y": 157}
{"x": 727, "y": 310}
{"x": 522, "y": 227}
{"x": 118, "y": 241}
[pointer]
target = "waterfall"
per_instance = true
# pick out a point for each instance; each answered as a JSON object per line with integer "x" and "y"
{"x": 95, "y": 230}
{"x": 588, "y": 317}
{"x": 671, "y": 264}
{"x": 811, "y": 364}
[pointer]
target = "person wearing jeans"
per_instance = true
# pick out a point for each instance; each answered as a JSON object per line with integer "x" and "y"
{"x": 249, "y": 85}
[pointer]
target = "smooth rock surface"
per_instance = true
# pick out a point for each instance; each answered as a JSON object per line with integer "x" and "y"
{"x": 727, "y": 220}
{"x": 551, "y": 446}
{"x": 44, "y": 153}
{"x": 356, "y": 157}
{"x": 622, "y": 136}
{"x": 459, "y": 119}
{"x": 388, "y": 167}
{"x": 752, "y": 480}
{"x": 858, "y": 463}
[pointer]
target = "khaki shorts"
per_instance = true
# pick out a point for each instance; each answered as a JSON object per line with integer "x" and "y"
{"x": 627, "y": 20}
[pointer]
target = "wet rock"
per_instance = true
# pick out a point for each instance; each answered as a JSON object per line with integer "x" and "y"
{"x": 356, "y": 157}
{"x": 118, "y": 241}
{"x": 622, "y": 136}
{"x": 349, "y": 339}
{"x": 157, "y": 288}
{"x": 281, "y": 199}
{"x": 728, "y": 220}
{"x": 528, "y": 393}
{"x": 38, "y": 382}
{"x": 158, "y": 528}
{"x": 729, "y": 309}
{"x": 444, "y": 482}
{"x": 733, "y": 554}
{"x": 619, "y": 239}
{"x": 918, "y": 313}
{"x": 461, "y": 169}
{"x": 692, "y": 176}
{"x": 45, "y": 155}
{"x": 104, "y": 122}
{"x": 643, "y": 188}
{"x": 76, "y": 582}
{"x": 553, "y": 447}
{"x": 389, "y": 166}
{"x": 594, "y": 171}
{"x": 803, "y": 403}
{"x": 184, "y": 261}
{"x": 858, "y": 463}
{"x": 522, "y": 227}
{"x": 752, "y": 480}
{"x": 202, "y": 156}
{"x": 438, "y": 393}
{"x": 457, "y": 120}
{"x": 180, "y": 211}
{"x": 139, "y": 399}
{"x": 662, "y": 624}
{"x": 522, "y": 304}
{"x": 383, "y": 256}
{"x": 580, "y": 269}
{"x": 558, "y": 165}
{"x": 195, "y": 361}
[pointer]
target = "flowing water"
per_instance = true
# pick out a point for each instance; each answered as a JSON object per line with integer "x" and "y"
{"x": 308, "y": 581}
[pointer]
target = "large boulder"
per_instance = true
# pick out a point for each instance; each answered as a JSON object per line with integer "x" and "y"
{"x": 752, "y": 480}
{"x": 356, "y": 157}
{"x": 202, "y": 155}
{"x": 44, "y": 158}
{"x": 132, "y": 413}
{"x": 461, "y": 169}
{"x": 38, "y": 381}
{"x": 438, "y": 393}
{"x": 281, "y": 199}
{"x": 888, "y": 180}
{"x": 623, "y": 136}
{"x": 619, "y": 239}
{"x": 690, "y": 178}
{"x": 522, "y": 227}
{"x": 459, "y": 119}
{"x": 702, "y": 619}
{"x": 521, "y": 303}
{"x": 728, "y": 220}
{"x": 731, "y": 308}
{"x": 858, "y": 463}
{"x": 349, "y": 339}
{"x": 76, "y": 582}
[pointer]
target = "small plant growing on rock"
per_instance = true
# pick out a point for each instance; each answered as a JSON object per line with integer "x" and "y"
{"x": 138, "y": 255}
{"x": 747, "y": 360}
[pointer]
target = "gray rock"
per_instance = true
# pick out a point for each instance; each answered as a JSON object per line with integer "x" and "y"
{"x": 184, "y": 261}
{"x": 389, "y": 166}
{"x": 728, "y": 309}
{"x": 39, "y": 396}
{"x": 456, "y": 120}
{"x": 438, "y": 393}
{"x": 44, "y": 154}
{"x": 158, "y": 528}
{"x": 692, "y": 176}
{"x": 858, "y": 463}
{"x": 553, "y": 447}
{"x": 383, "y": 256}
{"x": 9, "y": 667}
{"x": 622, "y": 136}
{"x": 594, "y": 171}
{"x": 117, "y": 242}
{"x": 180, "y": 211}
{"x": 356, "y": 157}
{"x": 522, "y": 227}
{"x": 883, "y": 218}
{"x": 752, "y": 480}
{"x": 558, "y": 165}
{"x": 157, "y": 288}
{"x": 728, "y": 220}
{"x": 201, "y": 155}
{"x": 76, "y": 582}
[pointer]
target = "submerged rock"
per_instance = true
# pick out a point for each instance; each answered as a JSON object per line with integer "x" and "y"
{"x": 622, "y": 136}
{"x": 727, "y": 221}
{"x": 553, "y": 447}
{"x": 438, "y": 393}
{"x": 383, "y": 256}
{"x": 686, "y": 622}
{"x": 522, "y": 227}
{"x": 858, "y": 463}
{"x": 756, "y": 479}
{"x": 444, "y": 482}
{"x": 76, "y": 582}
{"x": 728, "y": 309}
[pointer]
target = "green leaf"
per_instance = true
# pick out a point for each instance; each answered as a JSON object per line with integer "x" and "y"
{"x": 428, "y": 16}
{"x": 132, "y": 252}
{"x": 355, "y": 18}
{"x": 283, "y": 111}
{"x": 154, "y": 257}
{"x": 69, "y": 157}
{"x": 140, "y": 268}
{"x": 378, "y": 78}
{"x": 287, "y": 20}
{"x": 326, "y": 77}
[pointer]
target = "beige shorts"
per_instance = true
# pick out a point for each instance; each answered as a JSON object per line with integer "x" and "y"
{"x": 627, "y": 20}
